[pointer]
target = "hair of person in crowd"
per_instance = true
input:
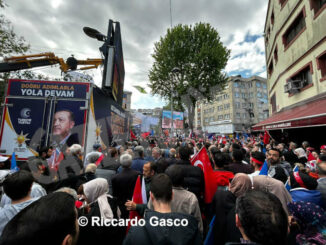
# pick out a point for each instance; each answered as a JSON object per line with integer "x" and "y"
{"x": 51, "y": 220}
{"x": 237, "y": 155}
{"x": 161, "y": 188}
{"x": 275, "y": 149}
{"x": 302, "y": 180}
{"x": 96, "y": 147}
{"x": 176, "y": 175}
{"x": 91, "y": 168}
{"x": 113, "y": 152}
{"x": 172, "y": 153}
{"x": 139, "y": 151}
{"x": 18, "y": 185}
{"x": 75, "y": 149}
{"x": 221, "y": 159}
{"x": 93, "y": 157}
{"x": 184, "y": 153}
{"x": 68, "y": 190}
{"x": 261, "y": 218}
{"x": 126, "y": 160}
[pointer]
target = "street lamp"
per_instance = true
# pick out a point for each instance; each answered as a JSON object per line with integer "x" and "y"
{"x": 174, "y": 71}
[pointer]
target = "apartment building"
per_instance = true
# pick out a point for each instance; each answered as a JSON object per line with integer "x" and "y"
{"x": 295, "y": 43}
{"x": 243, "y": 103}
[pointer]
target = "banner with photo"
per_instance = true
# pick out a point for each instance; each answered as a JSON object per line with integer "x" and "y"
{"x": 177, "y": 119}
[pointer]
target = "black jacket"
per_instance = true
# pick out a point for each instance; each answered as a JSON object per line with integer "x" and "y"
{"x": 123, "y": 185}
{"x": 193, "y": 179}
{"x": 161, "y": 235}
{"x": 100, "y": 234}
{"x": 239, "y": 167}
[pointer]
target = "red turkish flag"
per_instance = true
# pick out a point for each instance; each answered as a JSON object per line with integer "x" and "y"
{"x": 138, "y": 199}
{"x": 266, "y": 138}
{"x": 132, "y": 135}
{"x": 212, "y": 179}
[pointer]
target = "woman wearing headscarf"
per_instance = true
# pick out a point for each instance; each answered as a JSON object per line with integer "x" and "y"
{"x": 308, "y": 223}
{"x": 223, "y": 204}
{"x": 102, "y": 206}
{"x": 302, "y": 156}
{"x": 274, "y": 186}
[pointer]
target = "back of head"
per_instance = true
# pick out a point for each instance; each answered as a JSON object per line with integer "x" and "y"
{"x": 176, "y": 175}
{"x": 91, "y": 168}
{"x": 240, "y": 184}
{"x": 184, "y": 153}
{"x": 300, "y": 179}
{"x": 96, "y": 147}
{"x": 262, "y": 217}
{"x": 113, "y": 152}
{"x": 321, "y": 167}
{"x": 235, "y": 146}
{"x": 75, "y": 149}
{"x": 237, "y": 155}
{"x": 93, "y": 157}
{"x": 46, "y": 221}
{"x": 139, "y": 150}
{"x": 258, "y": 156}
{"x": 17, "y": 185}
{"x": 161, "y": 188}
{"x": 126, "y": 160}
{"x": 220, "y": 159}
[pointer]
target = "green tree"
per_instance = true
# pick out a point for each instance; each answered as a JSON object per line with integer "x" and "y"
{"x": 200, "y": 57}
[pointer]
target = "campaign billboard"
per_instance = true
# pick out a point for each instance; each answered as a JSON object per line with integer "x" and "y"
{"x": 38, "y": 113}
{"x": 177, "y": 119}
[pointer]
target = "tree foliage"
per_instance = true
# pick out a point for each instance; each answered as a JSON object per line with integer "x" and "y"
{"x": 200, "y": 57}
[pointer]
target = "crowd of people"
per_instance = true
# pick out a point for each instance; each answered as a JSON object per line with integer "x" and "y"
{"x": 263, "y": 194}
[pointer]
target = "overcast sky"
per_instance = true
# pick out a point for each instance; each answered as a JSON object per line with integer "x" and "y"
{"x": 56, "y": 26}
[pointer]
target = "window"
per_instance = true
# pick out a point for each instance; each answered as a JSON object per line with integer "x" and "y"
{"x": 250, "y": 85}
{"x": 227, "y": 116}
{"x": 251, "y": 105}
{"x": 318, "y": 6}
{"x": 237, "y": 95}
{"x": 264, "y": 86}
{"x": 211, "y": 119}
{"x": 258, "y": 84}
{"x": 237, "y": 105}
{"x": 321, "y": 65}
{"x": 226, "y": 106}
{"x": 244, "y": 115}
{"x": 270, "y": 68}
{"x": 295, "y": 29}
{"x": 206, "y": 120}
{"x": 220, "y": 117}
{"x": 261, "y": 116}
{"x": 236, "y": 85}
{"x": 226, "y": 96}
{"x": 219, "y": 98}
{"x": 238, "y": 115}
{"x": 244, "y": 105}
{"x": 243, "y": 95}
{"x": 273, "y": 103}
{"x": 220, "y": 108}
{"x": 276, "y": 54}
{"x": 265, "y": 96}
{"x": 259, "y": 95}
{"x": 303, "y": 75}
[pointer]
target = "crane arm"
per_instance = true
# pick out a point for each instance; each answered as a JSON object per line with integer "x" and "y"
{"x": 46, "y": 59}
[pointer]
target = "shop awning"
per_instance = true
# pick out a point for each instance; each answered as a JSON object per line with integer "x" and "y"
{"x": 311, "y": 114}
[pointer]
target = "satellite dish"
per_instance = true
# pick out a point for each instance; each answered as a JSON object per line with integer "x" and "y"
{"x": 94, "y": 33}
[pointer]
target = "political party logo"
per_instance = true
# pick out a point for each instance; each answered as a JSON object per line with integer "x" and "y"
{"x": 25, "y": 115}
{"x": 21, "y": 139}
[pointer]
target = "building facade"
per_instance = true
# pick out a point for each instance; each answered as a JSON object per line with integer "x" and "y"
{"x": 295, "y": 40}
{"x": 295, "y": 43}
{"x": 243, "y": 103}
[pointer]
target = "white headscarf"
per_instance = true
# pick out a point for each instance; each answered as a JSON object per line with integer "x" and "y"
{"x": 96, "y": 190}
{"x": 300, "y": 152}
